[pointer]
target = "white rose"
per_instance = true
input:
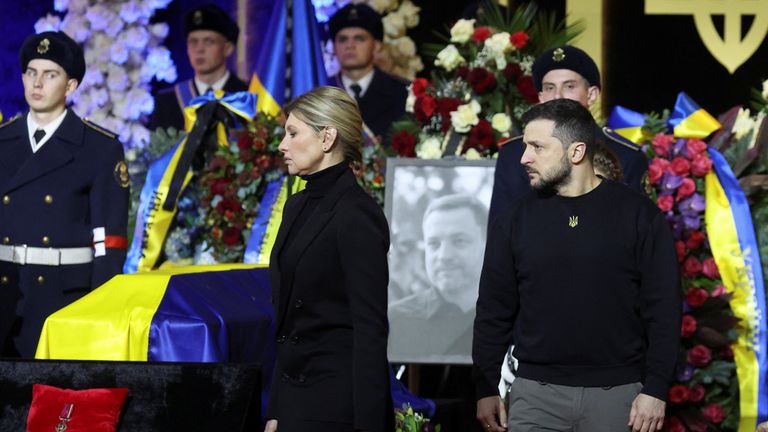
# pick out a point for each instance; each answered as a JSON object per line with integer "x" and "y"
{"x": 473, "y": 154}
{"x": 394, "y": 25}
{"x": 465, "y": 117}
{"x": 430, "y": 149}
{"x": 462, "y": 30}
{"x": 382, "y": 6}
{"x": 743, "y": 124}
{"x": 765, "y": 89}
{"x": 410, "y": 13}
{"x": 405, "y": 46}
{"x": 499, "y": 44}
{"x": 449, "y": 58}
{"x": 501, "y": 122}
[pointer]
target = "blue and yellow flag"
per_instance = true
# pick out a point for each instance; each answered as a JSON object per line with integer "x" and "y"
{"x": 688, "y": 120}
{"x": 627, "y": 123}
{"x": 307, "y": 66}
{"x": 734, "y": 247}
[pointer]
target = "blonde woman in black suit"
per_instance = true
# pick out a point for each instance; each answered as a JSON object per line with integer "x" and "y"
{"x": 329, "y": 276}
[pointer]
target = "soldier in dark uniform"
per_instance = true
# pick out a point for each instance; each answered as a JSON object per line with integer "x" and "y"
{"x": 565, "y": 72}
{"x": 64, "y": 192}
{"x": 357, "y": 33}
{"x": 211, "y": 38}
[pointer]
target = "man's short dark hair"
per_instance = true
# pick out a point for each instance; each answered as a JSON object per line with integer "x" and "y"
{"x": 459, "y": 201}
{"x": 573, "y": 122}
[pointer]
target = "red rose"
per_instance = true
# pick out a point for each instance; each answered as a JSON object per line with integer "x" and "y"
{"x": 424, "y": 107}
{"x": 481, "y": 34}
{"x": 217, "y": 162}
{"x": 259, "y": 144}
{"x": 519, "y": 39}
{"x": 244, "y": 141}
{"x": 228, "y": 205}
{"x": 219, "y": 186}
{"x": 695, "y": 240}
{"x": 680, "y": 166}
{"x": 696, "y": 296}
{"x": 662, "y": 144}
{"x": 714, "y": 413}
{"x": 701, "y": 165}
{"x": 726, "y": 353}
{"x": 445, "y": 106}
{"x": 462, "y": 72}
{"x": 512, "y": 71}
{"x": 688, "y": 327}
{"x": 699, "y": 356}
{"x": 695, "y": 425}
{"x": 480, "y": 137}
{"x": 686, "y": 189}
{"x": 665, "y": 202}
{"x": 481, "y": 80}
{"x": 231, "y": 236}
{"x": 697, "y": 393}
{"x": 655, "y": 173}
{"x": 709, "y": 268}
{"x": 527, "y": 89}
{"x": 678, "y": 394}
{"x": 695, "y": 146}
{"x": 404, "y": 144}
{"x": 246, "y": 155}
{"x": 419, "y": 86}
{"x": 691, "y": 267}
{"x": 680, "y": 249}
{"x": 673, "y": 424}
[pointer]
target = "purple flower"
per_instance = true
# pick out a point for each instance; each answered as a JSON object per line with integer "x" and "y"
{"x": 680, "y": 149}
{"x": 691, "y": 222}
{"x": 670, "y": 182}
{"x": 684, "y": 372}
{"x": 693, "y": 205}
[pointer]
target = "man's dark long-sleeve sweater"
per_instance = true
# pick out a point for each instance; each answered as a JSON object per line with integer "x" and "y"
{"x": 588, "y": 289}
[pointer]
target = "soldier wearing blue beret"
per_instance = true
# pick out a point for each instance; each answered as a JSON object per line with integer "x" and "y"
{"x": 63, "y": 197}
{"x": 211, "y": 39}
{"x": 357, "y": 33}
{"x": 563, "y": 73}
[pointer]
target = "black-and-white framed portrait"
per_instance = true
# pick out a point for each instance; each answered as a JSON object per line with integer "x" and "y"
{"x": 438, "y": 217}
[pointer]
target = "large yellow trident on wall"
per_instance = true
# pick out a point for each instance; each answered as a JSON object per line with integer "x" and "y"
{"x": 730, "y": 50}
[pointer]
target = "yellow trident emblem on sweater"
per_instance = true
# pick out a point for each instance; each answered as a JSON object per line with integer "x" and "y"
{"x": 730, "y": 49}
{"x": 573, "y": 221}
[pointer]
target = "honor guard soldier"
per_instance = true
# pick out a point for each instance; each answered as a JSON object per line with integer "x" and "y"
{"x": 64, "y": 197}
{"x": 563, "y": 73}
{"x": 357, "y": 32}
{"x": 211, "y": 39}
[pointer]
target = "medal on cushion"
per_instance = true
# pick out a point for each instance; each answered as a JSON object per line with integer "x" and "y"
{"x": 64, "y": 417}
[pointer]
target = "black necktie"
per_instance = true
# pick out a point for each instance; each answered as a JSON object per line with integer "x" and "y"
{"x": 356, "y": 89}
{"x": 38, "y": 135}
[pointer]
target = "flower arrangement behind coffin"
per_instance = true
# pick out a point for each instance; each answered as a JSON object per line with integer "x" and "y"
{"x": 481, "y": 86}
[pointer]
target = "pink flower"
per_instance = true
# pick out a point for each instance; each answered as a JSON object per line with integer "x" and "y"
{"x": 680, "y": 249}
{"x": 696, "y": 297}
{"x": 718, "y": 291}
{"x": 673, "y": 424}
{"x": 680, "y": 166}
{"x": 695, "y": 240}
{"x": 699, "y": 356}
{"x": 691, "y": 267}
{"x": 701, "y": 165}
{"x": 665, "y": 202}
{"x": 688, "y": 327}
{"x": 662, "y": 144}
{"x": 686, "y": 189}
{"x": 714, "y": 413}
{"x": 709, "y": 268}
{"x": 695, "y": 147}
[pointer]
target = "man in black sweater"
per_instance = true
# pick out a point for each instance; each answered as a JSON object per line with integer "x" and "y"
{"x": 581, "y": 274}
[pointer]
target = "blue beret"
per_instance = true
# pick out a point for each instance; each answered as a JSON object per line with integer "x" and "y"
{"x": 56, "y": 47}
{"x": 565, "y": 57}
{"x": 357, "y": 15}
{"x": 211, "y": 17}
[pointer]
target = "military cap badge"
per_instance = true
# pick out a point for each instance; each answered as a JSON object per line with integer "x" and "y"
{"x": 558, "y": 55}
{"x": 198, "y": 18}
{"x": 43, "y": 46}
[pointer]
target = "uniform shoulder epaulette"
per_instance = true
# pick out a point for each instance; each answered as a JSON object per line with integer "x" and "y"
{"x": 100, "y": 129}
{"x": 608, "y": 132}
{"x": 509, "y": 140}
{"x": 13, "y": 119}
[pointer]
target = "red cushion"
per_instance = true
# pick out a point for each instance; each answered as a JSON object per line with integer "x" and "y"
{"x": 94, "y": 410}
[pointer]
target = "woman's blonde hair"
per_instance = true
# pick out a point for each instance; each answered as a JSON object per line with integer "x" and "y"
{"x": 332, "y": 107}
